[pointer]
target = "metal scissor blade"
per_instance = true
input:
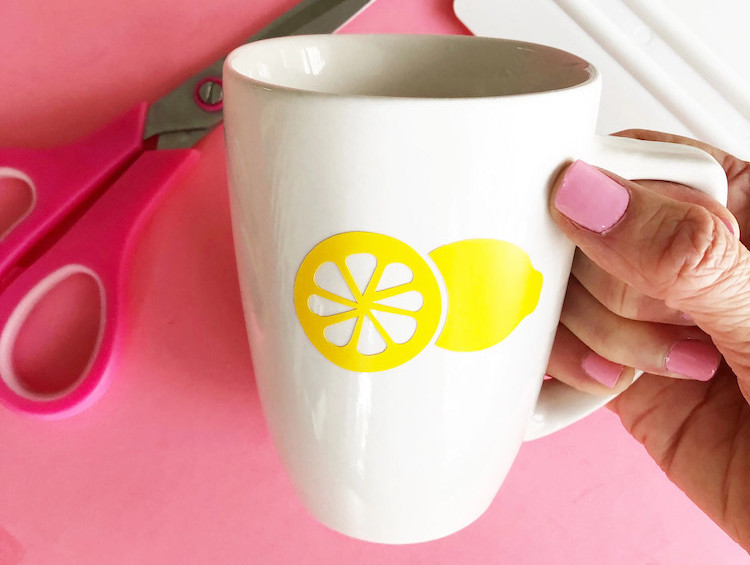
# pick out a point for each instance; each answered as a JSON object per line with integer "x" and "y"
{"x": 312, "y": 17}
{"x": 180, "y": 120}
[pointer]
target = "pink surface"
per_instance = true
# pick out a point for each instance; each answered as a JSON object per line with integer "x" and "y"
{"x": 173, "y": 465}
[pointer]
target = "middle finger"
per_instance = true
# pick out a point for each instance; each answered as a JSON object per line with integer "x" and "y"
{"x": 662, "y": 349}
{"x": 621, "y": 298}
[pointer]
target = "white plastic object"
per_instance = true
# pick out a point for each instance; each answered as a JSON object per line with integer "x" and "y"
{"x": 671, "y": 65}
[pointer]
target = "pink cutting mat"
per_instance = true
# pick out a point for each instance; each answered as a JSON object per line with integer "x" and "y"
{"x": 174, "y": 464}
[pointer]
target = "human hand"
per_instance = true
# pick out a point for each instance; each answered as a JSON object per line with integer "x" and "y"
{"x": 661, "y": 282}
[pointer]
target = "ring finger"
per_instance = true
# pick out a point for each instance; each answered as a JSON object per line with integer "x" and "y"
{"x": 664, "y": 349}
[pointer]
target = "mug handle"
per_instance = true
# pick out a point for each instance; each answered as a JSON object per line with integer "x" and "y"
{"x": 560, "y": 405}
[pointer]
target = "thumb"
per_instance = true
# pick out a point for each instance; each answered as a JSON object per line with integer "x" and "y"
{"x": 676, "y": 251}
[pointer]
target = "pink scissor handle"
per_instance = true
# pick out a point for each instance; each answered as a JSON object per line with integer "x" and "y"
{"x": 59, "y": 179}
{"x": 77, "y": 286}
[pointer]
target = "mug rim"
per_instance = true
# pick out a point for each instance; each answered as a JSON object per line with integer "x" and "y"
{"x": 230, "y": 69}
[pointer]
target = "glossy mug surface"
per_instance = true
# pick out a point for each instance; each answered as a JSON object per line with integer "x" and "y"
{"x": 401, "y": 276}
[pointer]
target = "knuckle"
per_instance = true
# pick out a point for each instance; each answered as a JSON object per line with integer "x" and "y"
{"x": 621, "y": 301}
{"x": 697, "y": 253}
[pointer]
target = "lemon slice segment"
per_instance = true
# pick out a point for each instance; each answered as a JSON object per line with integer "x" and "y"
{"x": 386, "y": 312}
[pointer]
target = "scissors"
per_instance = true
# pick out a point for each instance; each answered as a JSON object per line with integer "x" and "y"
{"x": 68, "y": 220}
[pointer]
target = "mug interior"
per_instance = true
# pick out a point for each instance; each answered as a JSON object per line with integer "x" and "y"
{"x": 408, "y": 66}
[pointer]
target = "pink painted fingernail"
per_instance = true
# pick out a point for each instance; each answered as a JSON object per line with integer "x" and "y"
{"x": 602, "y": 370}
{"x": 693, "y": 359}
{"x": 590, "y": 198}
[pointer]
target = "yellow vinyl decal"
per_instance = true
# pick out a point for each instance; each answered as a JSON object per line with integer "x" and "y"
{"x": 369, "y": 302}
{"x": 492, "y": 286}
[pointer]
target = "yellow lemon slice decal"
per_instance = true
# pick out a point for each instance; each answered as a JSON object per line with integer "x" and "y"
{"x": 368, "y": 302}
{"x": 491, "y": 285}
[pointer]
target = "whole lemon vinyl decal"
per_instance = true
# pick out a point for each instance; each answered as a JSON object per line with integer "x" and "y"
{"x": 369, "y": 302}
{"x": 492, "y": 286}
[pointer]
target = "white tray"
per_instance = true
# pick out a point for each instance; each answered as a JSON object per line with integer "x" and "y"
{"x": 681, "y": 66}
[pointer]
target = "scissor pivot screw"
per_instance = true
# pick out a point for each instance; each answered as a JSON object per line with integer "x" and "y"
{"x": 209, "y": 94}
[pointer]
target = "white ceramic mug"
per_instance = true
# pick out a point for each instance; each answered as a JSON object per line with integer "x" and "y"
{"x": 401, "y": 276}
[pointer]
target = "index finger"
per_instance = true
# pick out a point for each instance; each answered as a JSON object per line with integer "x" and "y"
{"x": 737, "y": 170}
{"x": 665, "y": 248}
